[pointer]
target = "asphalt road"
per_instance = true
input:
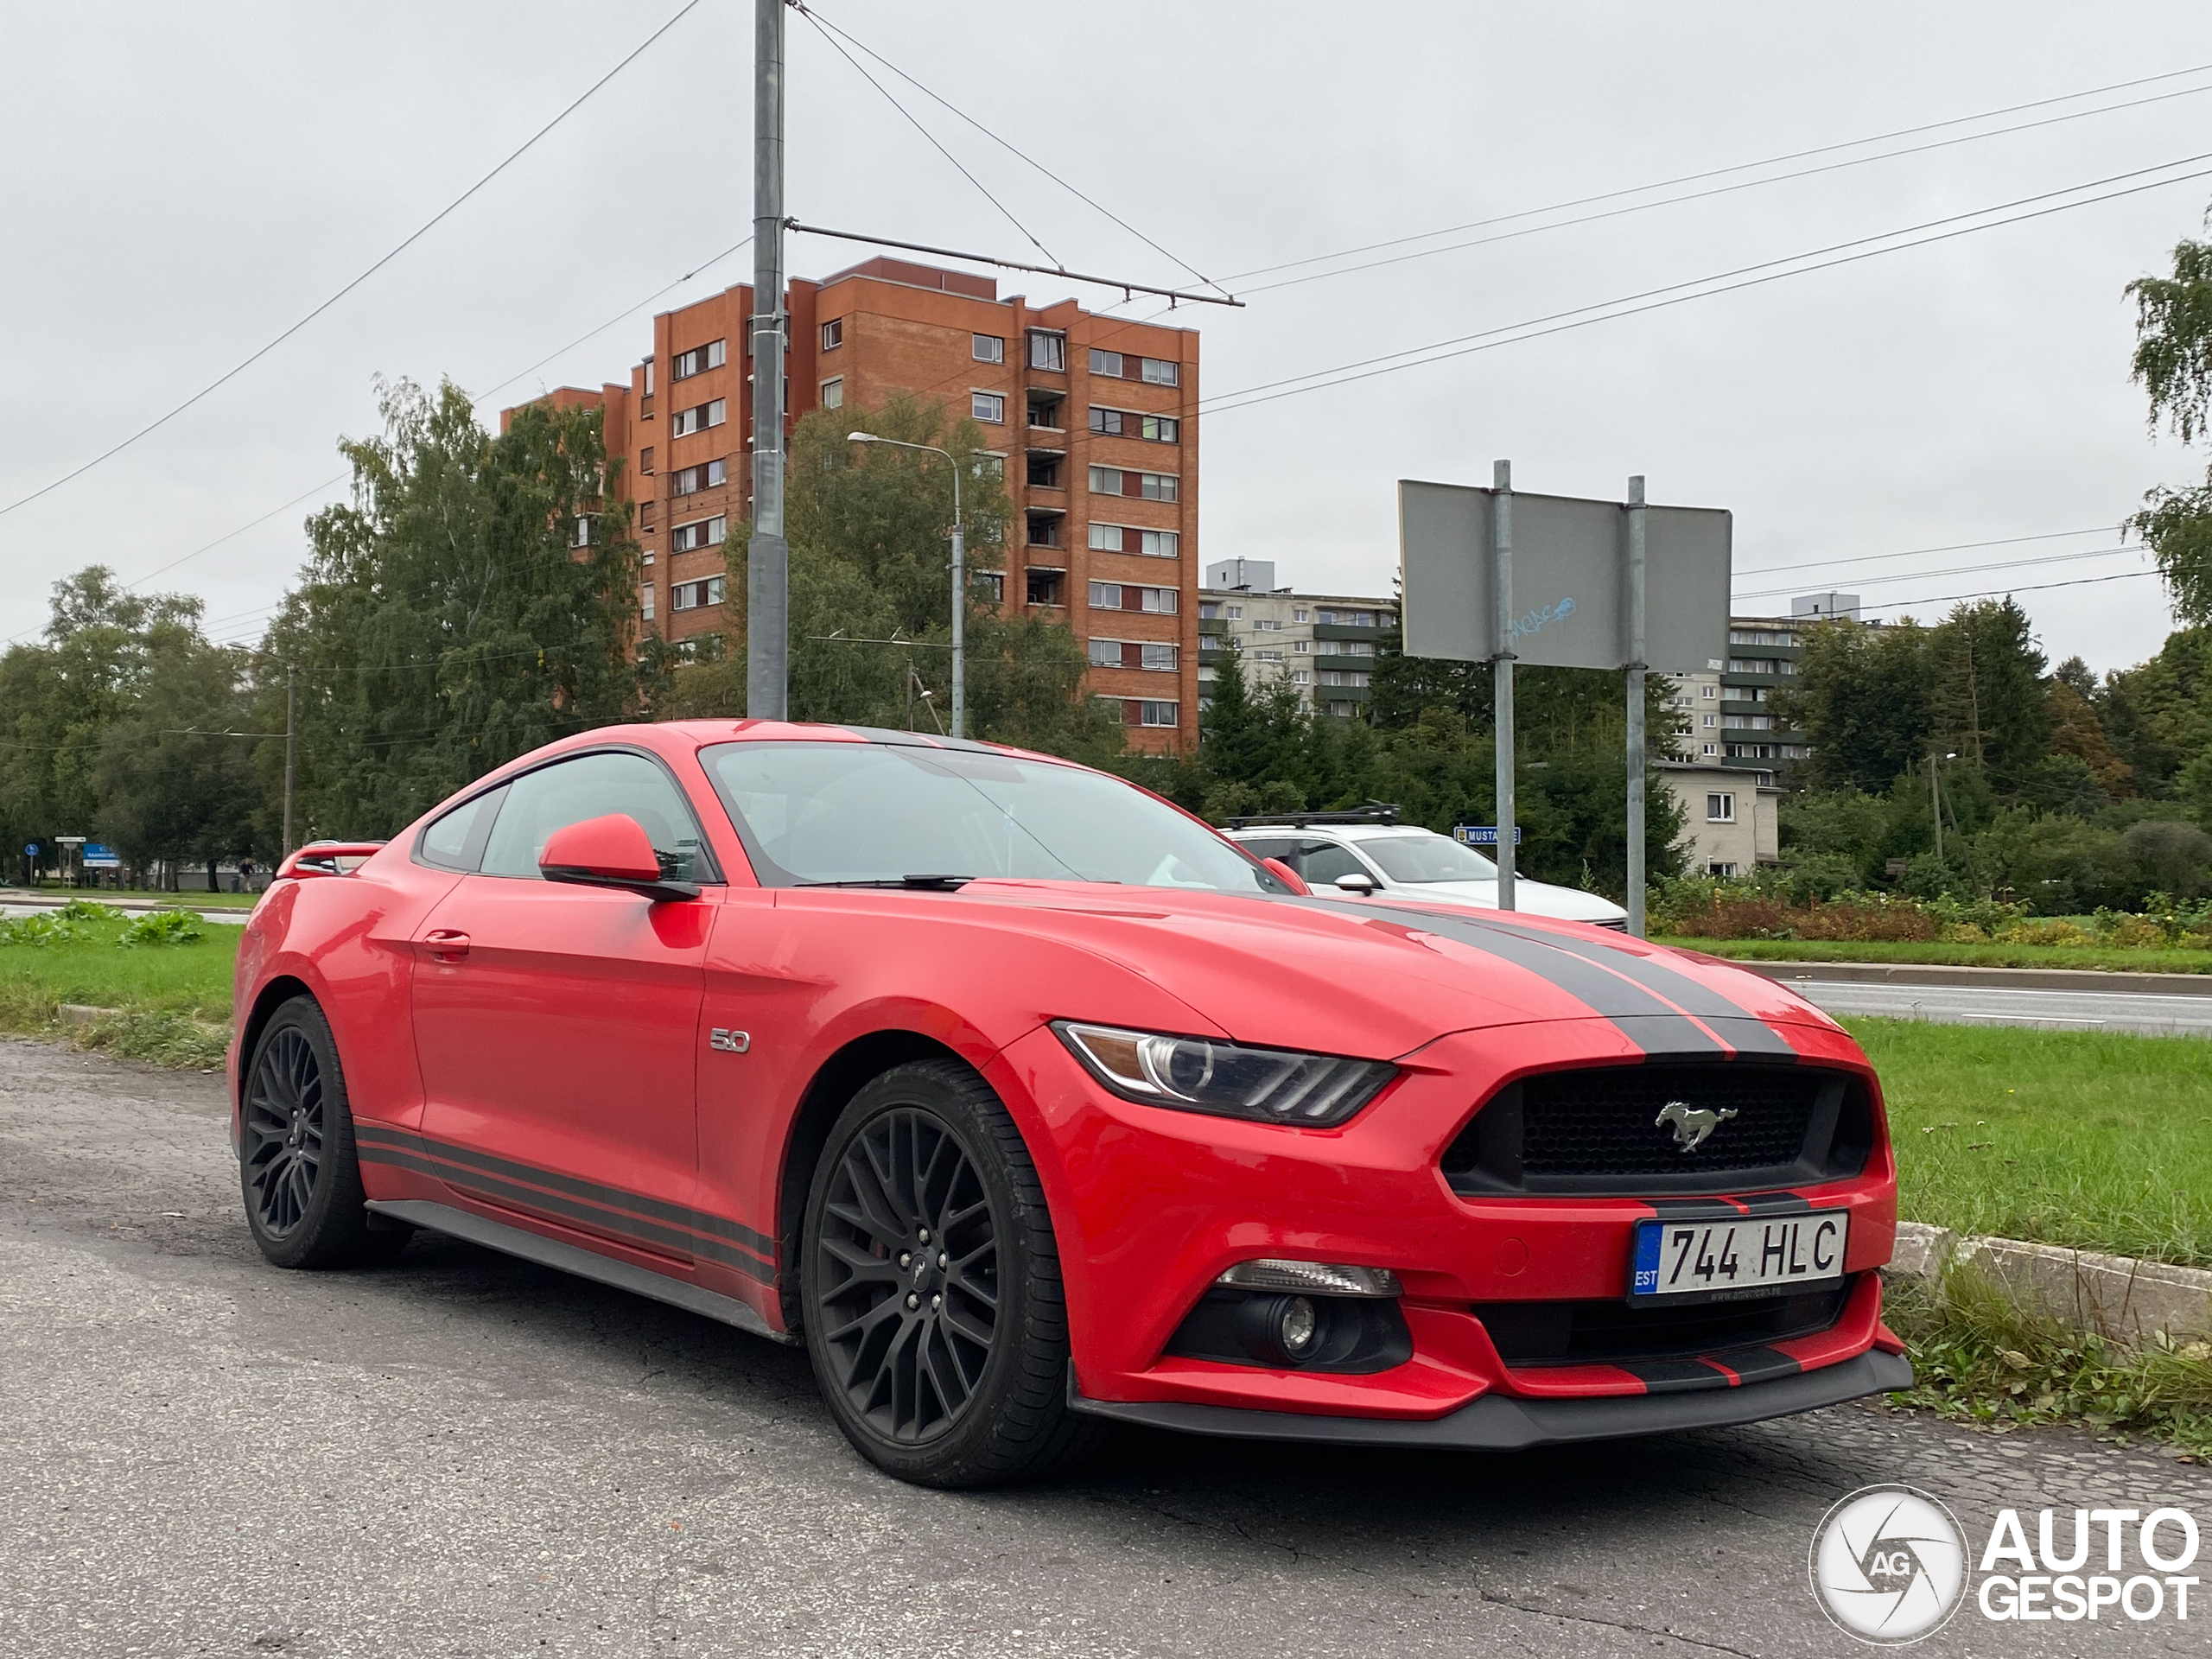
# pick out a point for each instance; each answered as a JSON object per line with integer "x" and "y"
{"x": 2052, "y": 1010}
{"x": 467, "y": 1455}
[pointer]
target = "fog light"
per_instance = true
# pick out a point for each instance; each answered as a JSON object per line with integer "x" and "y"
{"x": 1317, "y": 1278}
{"x": 1297, "y": 1327}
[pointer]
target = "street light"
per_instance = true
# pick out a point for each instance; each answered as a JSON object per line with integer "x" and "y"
{"x": 959, "y": 578}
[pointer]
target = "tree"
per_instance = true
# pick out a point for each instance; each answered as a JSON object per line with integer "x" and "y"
{"x": 2173, "y": 362}
{"x": 171, "y": 783}
{"x": 475, "y": 599}
{"x": 1862, "y": 701}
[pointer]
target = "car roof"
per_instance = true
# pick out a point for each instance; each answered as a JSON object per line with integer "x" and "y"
{"x": 1345, "y": 831}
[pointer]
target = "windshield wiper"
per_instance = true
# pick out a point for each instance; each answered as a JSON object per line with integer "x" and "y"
{"x": 915, "y": 883}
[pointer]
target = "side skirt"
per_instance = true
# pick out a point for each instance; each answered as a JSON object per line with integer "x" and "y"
{"x": 585, "y": 1264}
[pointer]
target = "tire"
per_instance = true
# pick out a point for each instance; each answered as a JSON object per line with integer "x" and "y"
{"x": 929, "y": 1286}
{"x": 297, "y": 1170}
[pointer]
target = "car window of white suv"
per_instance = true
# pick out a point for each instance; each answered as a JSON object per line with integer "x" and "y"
{"x": 1322, "y": 862}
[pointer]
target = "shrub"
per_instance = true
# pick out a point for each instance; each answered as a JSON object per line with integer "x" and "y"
{"x": 161, "y": 927}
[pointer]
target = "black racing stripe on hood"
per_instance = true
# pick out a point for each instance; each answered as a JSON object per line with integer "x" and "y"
{"x": 1642, "y": 1016}
{"x": 1736, "y": 1025}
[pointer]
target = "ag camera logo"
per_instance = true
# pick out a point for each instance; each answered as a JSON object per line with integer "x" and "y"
{"x": 1888, "y": 1565}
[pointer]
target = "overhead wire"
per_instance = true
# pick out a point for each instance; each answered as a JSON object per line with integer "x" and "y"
{"x": 1701, "y": 195}
{"x": 822, "y": 22}
{"x": 1739, "y": 166}
{"x": 1707, "y": 287}
{"x": 1917, "y": 552}
{"x": 1954, "y": 570}
{"x": 231, "y": 373}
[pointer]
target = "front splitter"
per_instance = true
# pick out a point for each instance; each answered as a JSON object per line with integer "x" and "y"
{"x": 1502, "y": 1423}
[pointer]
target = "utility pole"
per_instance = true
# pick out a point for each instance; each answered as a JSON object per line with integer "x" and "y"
{"x": 767, "y": 556}
{"x": 292, "y": 727}
{"x": 1502, "y": 664}
{"x": 1935, "y": 805}
{"x": 1636, "y": 676}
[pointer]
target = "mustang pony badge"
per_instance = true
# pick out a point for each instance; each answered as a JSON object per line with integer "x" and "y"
{"x": 1692, "y": 1125}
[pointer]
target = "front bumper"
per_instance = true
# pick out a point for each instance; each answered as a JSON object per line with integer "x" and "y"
{"x": 1152, "y": 1205}
{"x": 1498, "y": 1423}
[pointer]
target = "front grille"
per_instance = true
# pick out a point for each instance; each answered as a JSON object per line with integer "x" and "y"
{"x": 1610, "y": 1130}
{"x": 1590, "y": 1333}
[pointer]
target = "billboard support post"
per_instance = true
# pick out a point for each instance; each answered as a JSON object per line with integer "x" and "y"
{"x": 1501, "y": 549}
{"x": 1636, "y": 676}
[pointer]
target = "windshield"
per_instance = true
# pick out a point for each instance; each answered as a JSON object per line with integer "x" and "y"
{"x": 1428, "y": 857}
{"x": 882, "y": 811}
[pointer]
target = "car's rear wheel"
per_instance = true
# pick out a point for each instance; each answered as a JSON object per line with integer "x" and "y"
{"x": 301, "y": 1180}
{"x": 930, "y": 1286}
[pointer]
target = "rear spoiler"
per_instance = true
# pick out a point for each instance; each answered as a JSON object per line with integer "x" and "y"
{"x": 325, "y": 858}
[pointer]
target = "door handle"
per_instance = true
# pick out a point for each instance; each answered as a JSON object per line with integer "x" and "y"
{"x": 446, "y": 943}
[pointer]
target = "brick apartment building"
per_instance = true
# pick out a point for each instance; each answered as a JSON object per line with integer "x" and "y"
{"x": 1093, "y": 418}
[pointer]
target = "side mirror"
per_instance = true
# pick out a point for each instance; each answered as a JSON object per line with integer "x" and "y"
{"x": 1357, "y": 882}
{"x": 610, "y": 852}
{"x": 1291, "y": 878}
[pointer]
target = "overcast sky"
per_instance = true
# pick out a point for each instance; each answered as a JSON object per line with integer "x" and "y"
{"x": 182, "y": 183}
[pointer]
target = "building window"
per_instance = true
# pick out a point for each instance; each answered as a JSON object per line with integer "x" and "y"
{"x": 1161, "y": 372}
{"x": 582, "y": 535}
{"x": 696, "y": 596}
{"x": 1745, "y": 722}
{"x": 832, "y": 333}
{"x": 1105, "y": 362}
{"x": 1147, "y": 486}
{"x": 1299, "y": 616}
{"x": 989, "y": 586}
{"x": 1301, "y": 676}
{"x": 1720, "y": 809}
{"x": 1155, "y": 370}
{"x": 1048, "y": 351}
{"x": 645, "y": 601}
{"x": 1233, "y": 612}
{"x": 1045, "y": 469}
{"x": 1127, "y": 538}
{"x": 1128, "y": 424}
{"x": 1719, "y": 867}
{"x": 690, "y": 481}
{"x": 988, "y": 348}
{"x": 1105, "y": 653}
{"x": 1708, "y": 690}
{"x": 1043, "y": 411}
{"x": 1152, "y": 711}
{"x": 1048, "y": 587}
{"x": 1267, "y": 625}
{"x": 1044, "y": 530}
{"x": 833, "y": 393}
{"x": 1710, "y": 720}
{"x": 1208, "y": 609}
{"x": 1300, "y": 647}
{"x": 1266, "y": 656}
{"x": 647, "y": 365}
{"x": 699, "y": 533}
{"x": 1712, "y": 748}
{"x": 699, "y": 417}
{"x": 697, "y": 360}
{"x": 645, "y": 461}
{"x": 1129, "y": 597}
{"x": 988, "y": 406}
{"x": 1343, "y": 677}
{"x": 1158, "y": 658}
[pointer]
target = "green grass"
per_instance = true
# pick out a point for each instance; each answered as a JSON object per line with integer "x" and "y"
{"x": 2092, "y": 1139}
{"x": 176, "y": 999}
{"x": 2115, "y": 958}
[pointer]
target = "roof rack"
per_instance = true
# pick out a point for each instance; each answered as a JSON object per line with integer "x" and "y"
{"x": 1373, "y": 812}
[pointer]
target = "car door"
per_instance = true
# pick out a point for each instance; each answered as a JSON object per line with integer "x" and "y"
{"x": 558, "y": 1026}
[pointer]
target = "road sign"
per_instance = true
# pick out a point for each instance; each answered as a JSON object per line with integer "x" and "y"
{"x": 97, "y": 857}
{"x": 1569, "y": 580}
{"x": 1484, "y": 835}
{"x": 30, "y": 850}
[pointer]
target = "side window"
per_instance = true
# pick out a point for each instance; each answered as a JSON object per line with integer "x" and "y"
{"x": 1322, "y": 862}
{"x": 455, "y": 842}
{"x": 591, "y": 786}
{"x": 1281, "y": 849}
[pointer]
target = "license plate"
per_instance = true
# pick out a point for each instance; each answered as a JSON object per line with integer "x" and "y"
{"x": 1718, "y": 1259}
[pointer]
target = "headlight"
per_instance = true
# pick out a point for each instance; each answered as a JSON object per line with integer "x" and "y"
{"x": 1196, "y": 1074}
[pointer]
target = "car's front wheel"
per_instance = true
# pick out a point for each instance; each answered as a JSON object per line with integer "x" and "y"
{"x": 296, "y": 1164}
{"x": 930, "y": 1286}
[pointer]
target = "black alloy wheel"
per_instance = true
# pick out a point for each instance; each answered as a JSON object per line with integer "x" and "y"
{"x": 909, "y": 1258}
{"x": 931, "y": 1287}
{"x": 297, "y": 1170}
{"x": 283, "y": 1146}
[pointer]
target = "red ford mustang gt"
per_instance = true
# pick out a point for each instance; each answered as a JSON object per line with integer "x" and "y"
{"x": 1028, "y": 1103}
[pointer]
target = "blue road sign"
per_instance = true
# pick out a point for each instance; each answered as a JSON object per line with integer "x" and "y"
{"x": 1484, "y": 835}
{"x": 31, "y": 850}
{"x": 97, "y": 857}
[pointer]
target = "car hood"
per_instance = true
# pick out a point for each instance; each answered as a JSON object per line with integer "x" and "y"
{"x": 1535, "y": 898}
{"x": 1382, "y": 979}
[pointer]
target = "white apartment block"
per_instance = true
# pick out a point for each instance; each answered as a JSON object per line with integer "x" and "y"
{"x": 1322, "y": 644}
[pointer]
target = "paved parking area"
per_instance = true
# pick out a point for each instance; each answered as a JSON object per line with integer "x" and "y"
{"x": 467, "y": 1455}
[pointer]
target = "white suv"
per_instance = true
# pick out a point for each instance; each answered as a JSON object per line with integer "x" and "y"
{"x": 1355, "y": 862}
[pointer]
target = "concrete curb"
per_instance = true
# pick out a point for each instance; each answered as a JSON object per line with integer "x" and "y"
{"x": 1983, "y": 979}
{"x": 2118, "y": 1297}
